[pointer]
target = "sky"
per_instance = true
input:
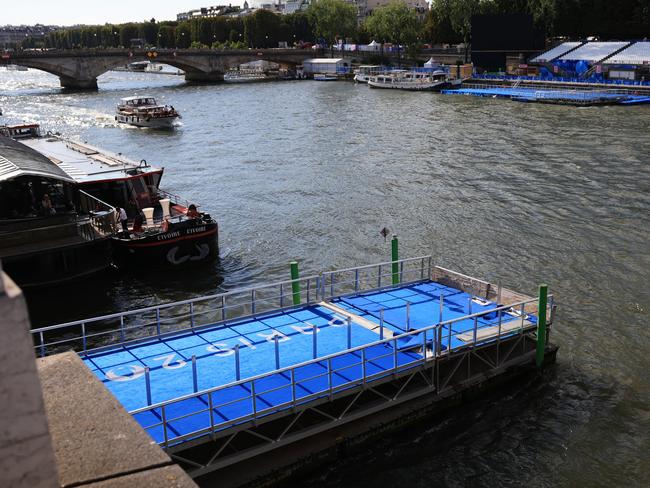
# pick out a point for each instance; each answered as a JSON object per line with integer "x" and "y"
{"x": 71, "y": 12}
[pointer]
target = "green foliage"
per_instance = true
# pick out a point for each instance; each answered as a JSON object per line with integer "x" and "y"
{"x": 394, "y": 22}
{"x": 183, "y": 35}
{"x": 332, "y": 19}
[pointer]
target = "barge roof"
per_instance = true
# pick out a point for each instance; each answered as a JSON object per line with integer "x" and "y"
{"x": 17, "y": 160}
{"x": 83, "y": 163}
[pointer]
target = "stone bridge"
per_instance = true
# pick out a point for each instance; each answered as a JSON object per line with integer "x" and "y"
{"x": 79, "y": 68}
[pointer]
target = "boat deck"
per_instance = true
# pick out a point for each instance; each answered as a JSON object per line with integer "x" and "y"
{"x": 224, "y": 355}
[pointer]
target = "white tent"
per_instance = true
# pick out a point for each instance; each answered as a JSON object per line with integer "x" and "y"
{"x": 431, "y": 63}
{"x": 373, "y": 46}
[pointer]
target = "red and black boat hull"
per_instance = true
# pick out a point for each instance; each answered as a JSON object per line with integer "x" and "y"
{"x": 184, "y": 243}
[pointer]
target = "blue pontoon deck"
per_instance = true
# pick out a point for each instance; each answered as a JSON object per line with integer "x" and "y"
{"x": 567, "y": 96}
{"x": 202, "y": 367}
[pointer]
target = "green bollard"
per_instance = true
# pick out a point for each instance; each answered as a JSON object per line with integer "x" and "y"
{"x": 295, "y": 285}
{"x": 541, "y": 325}
{"x": 394, "y": 259}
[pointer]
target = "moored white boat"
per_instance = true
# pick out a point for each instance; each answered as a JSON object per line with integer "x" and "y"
{"x": 410, "y": 80}
{"x": 245, "y": 76}
{"x": 365, "y": 72}
{"x": 146, "y": 112}
{"x": 325, "y": 77}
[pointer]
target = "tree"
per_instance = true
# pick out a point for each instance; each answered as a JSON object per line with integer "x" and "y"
{"x": 395, "y": 22}
{"x": 332, "y": 19}
{"x": 183, "y": 35}
{"x": 460, "y": 14}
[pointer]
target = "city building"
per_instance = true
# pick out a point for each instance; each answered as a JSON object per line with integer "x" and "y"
{"x": 10, "y": 35}
{"x": 214, "y": 11}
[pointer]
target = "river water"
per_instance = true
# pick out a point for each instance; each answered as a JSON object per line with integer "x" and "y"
{"x": 523, "y": 193}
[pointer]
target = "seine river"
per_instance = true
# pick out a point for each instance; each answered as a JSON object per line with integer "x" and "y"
{"x": 313, "y": 171}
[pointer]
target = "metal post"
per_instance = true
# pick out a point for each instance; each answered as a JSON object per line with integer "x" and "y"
{"x": 42, "y": 344}
{"x": 363, "y": 365}
{"x": 424, "y": 345}
{"x": 408, "y": 316}
{"x": 469, "y": 306}
{"x": 192, "y": 315}
{"x": 253, "y": 398}
{"x": 429, "y": 277}
{"x": 475, "y": 330}
{"x": 237, "y": 367}
{"x": 308, "y": 290}
{"x": 164, "y": 422}
{"x": 349, "y": 333}
{"x": 331, "y": 285}
{"x": 442, "y": 304}
{"x": 83, "y": 335}
{"x": 401, "y": 272}
{"x": 541, "y": 325}
{"x": 523, "y": 316}
{"x": 293, "y": 387}
{"x": 158, "y": 321}
{"x": 147, "y": 384}
{"x": 121, "y": 328}
{"x": 194, "y": 375}
{"x": 277, "y": 352}
{"x": 329, "y": 376}
{"x": 314, "y": 334}
{"x": 223, "y": 308}
{"x": 422, "y": 268}
{"x": 281, "y": 296}
{"x": 356, "y": 279}
{"x": 381, "y": 324}
{"x": 395, "y": 258}
{"x": 295, "y": 284}
{"x": 253, "y": 302}
{"x": 379, "y": 276}
{"x": 394, "y": 353}
{"x": 211, "y": 411}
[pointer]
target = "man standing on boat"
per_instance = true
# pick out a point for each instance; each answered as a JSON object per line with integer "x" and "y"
{"x": 123, "y": 220}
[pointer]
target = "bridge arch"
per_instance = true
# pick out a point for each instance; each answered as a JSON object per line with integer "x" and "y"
{"x": 80, "y": 69}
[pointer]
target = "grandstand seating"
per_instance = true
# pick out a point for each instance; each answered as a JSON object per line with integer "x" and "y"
{"x": 636, "y": 54}
{"x": 557, "y": 51}
{"x": 593, "y": 52}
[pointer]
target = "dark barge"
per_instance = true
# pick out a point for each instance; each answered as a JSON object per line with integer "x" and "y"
{"x": 141, "y": 222}
{"x": 48, "y": 233}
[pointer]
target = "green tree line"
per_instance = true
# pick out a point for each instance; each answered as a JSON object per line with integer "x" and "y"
{"x": 448, "y": 21}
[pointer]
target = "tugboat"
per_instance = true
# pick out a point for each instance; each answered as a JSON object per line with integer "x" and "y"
{"x": 146, "y": 112}
{"x": 156, "y": 226}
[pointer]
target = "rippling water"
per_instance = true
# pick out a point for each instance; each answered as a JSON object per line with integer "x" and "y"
{"x": 521, "y": 192}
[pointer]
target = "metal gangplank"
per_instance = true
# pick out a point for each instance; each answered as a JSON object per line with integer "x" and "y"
{"x": 240, "y": 373}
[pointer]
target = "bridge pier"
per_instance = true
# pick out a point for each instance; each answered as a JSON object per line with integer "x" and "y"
{"x": 70, "y": 83}
{"x": 203, "y": 77}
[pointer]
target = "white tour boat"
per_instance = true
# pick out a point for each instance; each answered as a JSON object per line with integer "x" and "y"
{"x": 366, "y": 71}
{"x": 410, "y": 80}
{"x": 145, "y": 112}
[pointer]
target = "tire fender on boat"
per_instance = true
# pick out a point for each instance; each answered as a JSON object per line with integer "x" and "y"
{"x": 204, "y": 250}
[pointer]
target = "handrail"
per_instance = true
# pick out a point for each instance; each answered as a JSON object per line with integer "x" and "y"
{"x": 167, "y": 305}
{"x": 367, "y": 266}
{"x": 395, "y": 338}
